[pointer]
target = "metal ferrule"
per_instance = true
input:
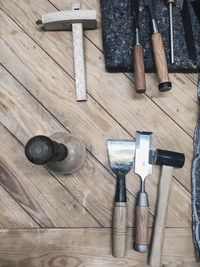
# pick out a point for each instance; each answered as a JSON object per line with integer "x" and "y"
{"x": 142, "y": 200}
{"x": 137, "y": 36}
{"x": 155, "y": 27}
{"x": 142, "y": 248}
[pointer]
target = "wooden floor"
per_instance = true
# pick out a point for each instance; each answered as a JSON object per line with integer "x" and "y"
{"x": 52, "y": 220}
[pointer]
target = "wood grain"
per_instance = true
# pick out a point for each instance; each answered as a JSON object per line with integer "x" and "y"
{"x": 161, "y": 214}
{"x": 160, "y": 58}
{"x": 86, "y": 247}
{"x": 89, "y": 185}
{"x": 119, "y": 230}
{"x": 119, "y": 89}
{"x": 139, "y": 72}
{"x": 79, "y": 64}
{"x": 169, "y": 102}
{"x": 142, "y": 232}
{"x": 43, "y": 103}
{"x": 37, "y": 191}
{"x": 93, "y": 115}
{"x": 12, "y": 215}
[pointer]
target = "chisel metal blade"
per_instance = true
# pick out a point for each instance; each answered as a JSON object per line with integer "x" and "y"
{"x": 186, "y": 18}
{"x": 143, "y": 154}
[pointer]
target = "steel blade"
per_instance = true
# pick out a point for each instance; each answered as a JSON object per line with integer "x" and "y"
{"x": 143, "y": 154}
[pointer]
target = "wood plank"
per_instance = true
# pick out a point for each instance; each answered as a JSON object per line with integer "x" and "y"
{"x": 37, "y": 191}
{"x": 24, "y": 121}
{"x": 12, "y": 215}
{"x": 85, "y": 247}
{"x": 120, "y": 92}
{"x": 178, "y": 103}
{"x": 63, "y": 106}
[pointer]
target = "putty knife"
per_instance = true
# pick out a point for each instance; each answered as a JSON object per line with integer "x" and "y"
{"x": 121, "y": 155}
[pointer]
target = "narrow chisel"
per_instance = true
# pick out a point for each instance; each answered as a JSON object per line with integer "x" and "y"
{"x": 139, "y": 72}
{"x": 143, "y": 167}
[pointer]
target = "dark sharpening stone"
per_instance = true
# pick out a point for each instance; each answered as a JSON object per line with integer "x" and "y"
{"x": 119, "y": 39}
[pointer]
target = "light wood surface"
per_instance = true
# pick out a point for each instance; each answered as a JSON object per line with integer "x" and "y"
{"x": 119, "y": 229}
{"x": 139, "y": 72}
{"x": 79, "y": 64}
{"x": 85, "y": 247}
{"x": 160, "y": 58}
{"x": 37, "y": 97}
{"x": 155, "y": 259}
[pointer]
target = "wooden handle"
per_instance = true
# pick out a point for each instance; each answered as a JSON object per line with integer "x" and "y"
{"x": 119, "y": 230}
{"x": 159, "y": 227}
{"x": 142, "y": 218}
{"x": 140, "y": 83}
{"x": 79, "y": 65}
{"x": 161, "y": 62}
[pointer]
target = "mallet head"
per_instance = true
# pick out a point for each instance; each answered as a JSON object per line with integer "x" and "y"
{"x": 169, "y": 158}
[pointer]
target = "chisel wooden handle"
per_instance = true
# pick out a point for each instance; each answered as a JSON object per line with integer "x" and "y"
{"x": 161, "y": 62}
{"x": 159, "y": 228}
{"x": 141, "y": 224}
{"x": 140, "y": 83}
{"x": 119, "y": 230}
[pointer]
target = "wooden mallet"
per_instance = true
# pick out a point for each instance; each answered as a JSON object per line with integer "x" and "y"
{"x": 168, "y": 160}
{"x": 75, "y": 20}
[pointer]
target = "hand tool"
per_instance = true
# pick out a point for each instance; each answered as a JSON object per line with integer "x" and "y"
{"x": 196, "y": 6}
{"x": 75, "y": 20}
{"x": 143, "y": 167}
{"x": 61, "y": 153}
{"x": 140, "y": 83}
{"x": 189, "y": 38}
{"x": 159, "y": 52}
{"x": 170, "y": 3}
{"x": 121, "y": 155}
{"x": 168, "y": 160}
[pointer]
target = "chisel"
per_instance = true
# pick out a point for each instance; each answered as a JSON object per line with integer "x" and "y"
{"x": 170, "y": 3}
{"x": 140, "y": 83}
{"x": 143, "y": 167}
{"x": 189, "y": 38}
{"x": 159, "y": 52}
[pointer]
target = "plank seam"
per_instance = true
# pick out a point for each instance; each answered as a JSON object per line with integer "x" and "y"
{"x": 56, "y": 180}
{"x": 88, "y": 94}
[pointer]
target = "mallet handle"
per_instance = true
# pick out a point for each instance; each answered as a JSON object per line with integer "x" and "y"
{"x": 79, "y": 65}
{"x": 159, "y": 227}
